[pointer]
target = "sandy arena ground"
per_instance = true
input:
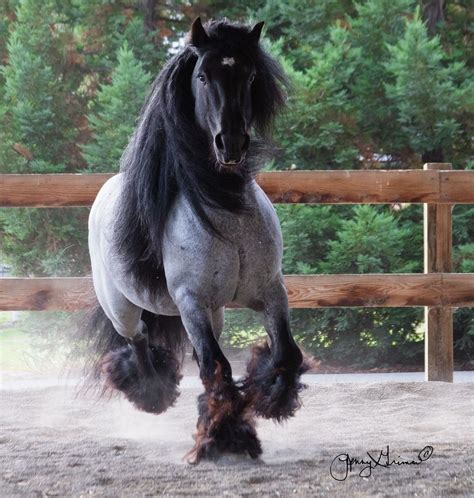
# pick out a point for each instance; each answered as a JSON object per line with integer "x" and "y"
{"x": 53, "y": 443}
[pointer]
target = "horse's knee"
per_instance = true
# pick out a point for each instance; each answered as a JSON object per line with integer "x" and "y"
{"x": 200, "y": 323}
{"x": 214, "y": 367}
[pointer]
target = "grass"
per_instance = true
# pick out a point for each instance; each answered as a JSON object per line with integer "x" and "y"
{"x": 15, "y": 350}
{"x": 23, "y": 348}
{"x": 5, "y": 317}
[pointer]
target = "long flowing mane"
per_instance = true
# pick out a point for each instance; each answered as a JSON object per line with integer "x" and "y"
{"x": 170, "y": 154}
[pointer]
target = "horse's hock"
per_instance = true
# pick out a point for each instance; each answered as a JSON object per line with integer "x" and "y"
{"x": 437, "y": 187}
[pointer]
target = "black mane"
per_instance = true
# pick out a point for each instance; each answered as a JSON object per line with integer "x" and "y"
{"x": 168, "y": 153}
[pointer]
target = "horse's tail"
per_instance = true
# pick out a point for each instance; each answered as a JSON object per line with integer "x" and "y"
{"x": 115, "y": 364}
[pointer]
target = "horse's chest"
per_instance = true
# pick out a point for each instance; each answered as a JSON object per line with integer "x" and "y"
{"x": 259, "y": 254}
{"x": 232, "y": 268}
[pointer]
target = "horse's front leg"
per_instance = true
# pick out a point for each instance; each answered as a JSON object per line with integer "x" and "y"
{"x": 272, "y": 384}
{"x": 225, "y": 423}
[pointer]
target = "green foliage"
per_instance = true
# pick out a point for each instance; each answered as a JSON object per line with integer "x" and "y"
{"x": 317, "y": 130}
{"x": 430, "y": 95}
{"x": 370, "y": 242}
{"x": 464, "y": 334}
{"x": 303, "y": 27}
{"x": 38, "y": 135}
{"x": 456, "y": 31}
{"x": 44, "y": 241}
{"x": 102, "y": 29}
{"x": 464, "y": 258}
{"x": 371, "y": 337}
{"x": 117, "y": 106}
{"x": 34, "y": 93}
{"x": 306, "y": 230}
{"x": 376, "y": 25}
{"x": 38, "y": 342}
{"x": 57, "y": 56}
{"x": 242, "y": 329}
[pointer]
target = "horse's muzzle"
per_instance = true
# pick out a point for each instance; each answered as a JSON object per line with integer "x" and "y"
{"x": 230, "y": 148}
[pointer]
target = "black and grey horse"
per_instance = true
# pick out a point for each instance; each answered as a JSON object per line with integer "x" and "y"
{"x": 184, "y": 230}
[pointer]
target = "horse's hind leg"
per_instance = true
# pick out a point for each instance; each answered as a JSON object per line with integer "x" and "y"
{"x": 225, "y": 423}
{"x": 272, "y": 383}
{"x": 147, "y": 375}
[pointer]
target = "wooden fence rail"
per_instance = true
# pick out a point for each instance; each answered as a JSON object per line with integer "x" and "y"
{"x": 310, "y": 187}
{"x": 304, "y": 291}
{"x": 438, "y": 290}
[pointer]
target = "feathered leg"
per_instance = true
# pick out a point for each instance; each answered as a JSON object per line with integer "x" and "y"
{"x": 272, "y": 384}
{"x": 225, "y": 423}
{"x": 147, "y": 375}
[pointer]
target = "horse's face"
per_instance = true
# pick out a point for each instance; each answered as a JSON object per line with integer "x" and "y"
{"x": 221, "y": 85}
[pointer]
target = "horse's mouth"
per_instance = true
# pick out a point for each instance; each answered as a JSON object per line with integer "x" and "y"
{"x": 231, "y": 165}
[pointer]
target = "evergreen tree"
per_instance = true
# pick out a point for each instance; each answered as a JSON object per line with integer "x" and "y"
{"x": 34, "y": 94}
{"x": 104, "y": 27}
{"x": 377, "y": 25}
{"x": 116, "y": 107}
{"x": 39, "y": 136}
{"x": 429, "y": 94}
{"x": 302, "y": 27}
{"x": 317, "y": 131}
{"x": 369, "y": 242}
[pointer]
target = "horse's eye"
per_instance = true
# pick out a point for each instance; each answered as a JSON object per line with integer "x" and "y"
{"x": 201, "y": 78}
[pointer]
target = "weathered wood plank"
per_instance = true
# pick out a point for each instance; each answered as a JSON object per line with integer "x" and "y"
{"x": 50, "y": 190}
{"x": 379, "y": 290}
{"x": 457, "y": 290}
{"x": 46, "y": 294}
{"x": 439, "y": 354}
{"x": 437, "y": 224}
{"x": 350, "y": 187}
{"x": 456, "y": 185}
{"x": 304, "y": 291}
{"x": 324, "y": 187}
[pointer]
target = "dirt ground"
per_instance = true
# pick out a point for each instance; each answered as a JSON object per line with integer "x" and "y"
{"x": 53, "y": 443}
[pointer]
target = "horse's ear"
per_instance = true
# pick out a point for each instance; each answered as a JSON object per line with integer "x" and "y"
{"x": 198, "y": 35}
{"x": 256, "y": 32}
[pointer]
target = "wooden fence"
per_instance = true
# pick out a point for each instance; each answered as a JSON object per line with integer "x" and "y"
{"x": 438, "y": 290}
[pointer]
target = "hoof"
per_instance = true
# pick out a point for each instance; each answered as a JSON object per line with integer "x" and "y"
{"x": 273, "y": 392}
{"x": 153, "y": 391}
{"x": 224, "y": 426}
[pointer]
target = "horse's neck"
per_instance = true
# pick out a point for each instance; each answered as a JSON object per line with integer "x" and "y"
{"x": 252, "y": 199}
{"x": 257, "y": 209}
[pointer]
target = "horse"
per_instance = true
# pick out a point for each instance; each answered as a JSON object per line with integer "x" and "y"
{"x": 184, "y": 230}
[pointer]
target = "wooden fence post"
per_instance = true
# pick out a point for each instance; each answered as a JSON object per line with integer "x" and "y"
{"x": 437, "y": 224}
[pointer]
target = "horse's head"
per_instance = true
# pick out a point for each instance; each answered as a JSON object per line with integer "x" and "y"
{"x": 222, "y": 82}
{"x": 206, "y": 103}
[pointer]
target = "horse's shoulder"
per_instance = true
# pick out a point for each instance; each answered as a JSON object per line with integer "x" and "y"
{"x": 105, "y": 200}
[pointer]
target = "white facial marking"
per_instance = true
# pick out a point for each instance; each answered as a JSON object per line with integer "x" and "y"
{"x": 228, "y": 61}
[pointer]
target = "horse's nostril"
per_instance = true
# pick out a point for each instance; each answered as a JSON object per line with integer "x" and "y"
{"x": 246, "y": 142}
{"x": 231, "y": 147}
{"x": 219, "y": 141}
